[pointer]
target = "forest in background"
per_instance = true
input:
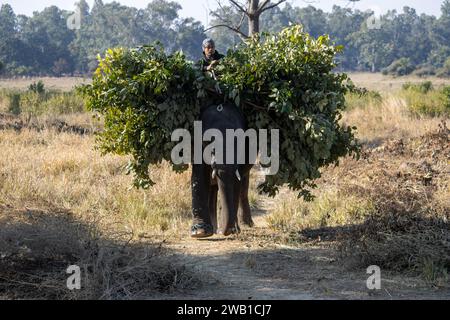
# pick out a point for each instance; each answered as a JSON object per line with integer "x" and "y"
{"x": 397, "y": 43}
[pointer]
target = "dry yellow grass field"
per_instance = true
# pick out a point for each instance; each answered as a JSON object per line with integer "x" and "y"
{"x": 379, "y": 82}
{"x": 64, "y": 84}
{"x": 372, "y": 81}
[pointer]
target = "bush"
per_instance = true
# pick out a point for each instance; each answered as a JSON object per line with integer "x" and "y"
{"x": 400, "y": 67}
{"x": 64, "y": 103}
{"x": 363, "y": 99}
{"x": 423, "y": 87}
{"x": 38, "y": 87}
{"x": 391, "y": 211}
{"x": 14, "y": 103}
{"x": 444, "y": 72}
{"x": 446, "y": 93}
{"x": 425, "y": 71}
{"x": 36, "y": 102}
{"x": 422, "y": 99}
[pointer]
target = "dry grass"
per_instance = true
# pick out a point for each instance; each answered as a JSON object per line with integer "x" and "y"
{"x": 37, "y": 247}
{"x": 379, "y": 82}
{"x": 64, "y": 84}
{"x": 390, "y": 119}
{"x": 391, "y": 208}
{"x": 64, "y": 170}
{"x": 62, "y": 203}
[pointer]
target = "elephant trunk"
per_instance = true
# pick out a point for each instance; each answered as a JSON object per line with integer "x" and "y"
{"x": 229, "y": 189}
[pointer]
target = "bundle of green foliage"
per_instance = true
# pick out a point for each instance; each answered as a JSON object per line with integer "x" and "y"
{"x": 283, "y": 81}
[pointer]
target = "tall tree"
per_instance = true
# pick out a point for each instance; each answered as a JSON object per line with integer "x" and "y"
{"x": 9, "y": 43}
{"x": 250, "y": 10}
{"x": 47, "y": 38}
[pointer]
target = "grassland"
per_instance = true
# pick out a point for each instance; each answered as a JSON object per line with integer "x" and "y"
{"x": 62, "y": 203}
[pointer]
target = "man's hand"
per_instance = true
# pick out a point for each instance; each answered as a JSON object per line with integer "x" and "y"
{"x": 212, "y": 65}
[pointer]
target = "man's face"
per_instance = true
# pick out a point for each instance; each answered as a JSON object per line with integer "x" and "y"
{"x": 209, "y": 51}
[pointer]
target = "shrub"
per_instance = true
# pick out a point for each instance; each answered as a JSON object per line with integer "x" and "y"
{"x": 36, "y": 104}
{"x": 363, "y": 99}
{"x": 423, "y": 87}
{"x": 64, "y": 103}
{"x": 422, "y": 99}
{"x": 14, "y": 103}
{"x": 445, "y": 70}
{"x": 424, "y": 71}
{"x": 400, "y": 67}
{"x": 37, "y": 87}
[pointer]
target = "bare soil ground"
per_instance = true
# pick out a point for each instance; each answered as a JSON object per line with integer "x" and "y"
{"x": 249, "y": 267}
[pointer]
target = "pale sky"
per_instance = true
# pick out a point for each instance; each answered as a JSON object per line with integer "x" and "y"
{"x": 199, "y": 8}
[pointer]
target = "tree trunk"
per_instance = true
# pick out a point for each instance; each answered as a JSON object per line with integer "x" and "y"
{"x": 253, "y": 24}
{"x": 253, "y": 17}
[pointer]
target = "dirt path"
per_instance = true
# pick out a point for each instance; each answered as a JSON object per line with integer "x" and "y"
{"x": 248, "y": 267}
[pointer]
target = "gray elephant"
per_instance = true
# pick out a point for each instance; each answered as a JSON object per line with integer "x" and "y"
{"x": 230, "y": 180}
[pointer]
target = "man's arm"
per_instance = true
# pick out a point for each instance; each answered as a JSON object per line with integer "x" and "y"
{"x": 212, "y": 65}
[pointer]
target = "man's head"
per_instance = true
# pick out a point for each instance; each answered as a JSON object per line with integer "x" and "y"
{"x": 209, "y": 47}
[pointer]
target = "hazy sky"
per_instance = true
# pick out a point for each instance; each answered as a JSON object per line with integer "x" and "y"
{"x": 198, "y": 8}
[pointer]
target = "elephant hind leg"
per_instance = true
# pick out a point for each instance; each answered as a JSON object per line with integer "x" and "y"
{"x": 213, "y": 206}
{"x": 229, "y": 189}
{"x": 245, "y": 214}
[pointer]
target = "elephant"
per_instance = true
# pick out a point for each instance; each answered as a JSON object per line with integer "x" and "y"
{"x": 231, "y": 181}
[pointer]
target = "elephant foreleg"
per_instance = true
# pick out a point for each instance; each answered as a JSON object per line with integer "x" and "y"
{"x": 201, "y": 185}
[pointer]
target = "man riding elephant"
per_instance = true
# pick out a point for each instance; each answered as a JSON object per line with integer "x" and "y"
{"x": 230, "y": 181}
{"x": 211, "y": 56}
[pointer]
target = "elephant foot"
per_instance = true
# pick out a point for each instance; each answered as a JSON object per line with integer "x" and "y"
{"x": 230, "y": 231}
{"x": 246, "y": 221}
{"x": 201, "y": 231}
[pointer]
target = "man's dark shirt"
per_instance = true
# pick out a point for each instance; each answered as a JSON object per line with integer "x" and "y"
{"x": 205, "y": 63}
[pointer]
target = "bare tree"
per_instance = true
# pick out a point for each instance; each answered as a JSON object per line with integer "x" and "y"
{"x": 250, "y": 9}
